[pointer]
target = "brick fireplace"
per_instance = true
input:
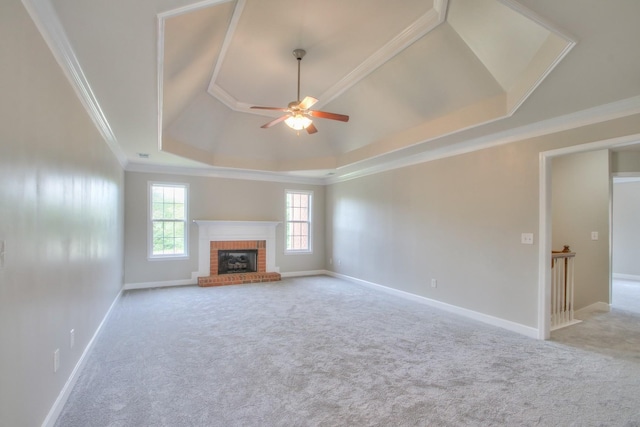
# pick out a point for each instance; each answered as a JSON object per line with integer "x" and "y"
{"x": 236, "y": 236}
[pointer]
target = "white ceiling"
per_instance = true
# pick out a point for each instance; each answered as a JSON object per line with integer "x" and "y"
{"x": 174, "y": 79}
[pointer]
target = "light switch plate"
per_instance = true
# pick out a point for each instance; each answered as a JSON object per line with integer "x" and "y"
{"x": 594, "y": 235}
{"x": 526, "y": 238}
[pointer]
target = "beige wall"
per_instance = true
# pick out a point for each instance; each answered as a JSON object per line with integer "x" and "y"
{"x": 457, "y": 220}
{"x": 626, "y": 228}
{"x": 625, "y": 162}
{"x": 220, "y": 199}
{"x": 61, "y": 217}
{"x": 580, "y": 205}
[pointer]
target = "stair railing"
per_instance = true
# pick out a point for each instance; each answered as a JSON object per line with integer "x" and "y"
{"x": 562, "y": 288}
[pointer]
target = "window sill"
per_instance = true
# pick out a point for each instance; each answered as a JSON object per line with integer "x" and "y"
{"x": 298, "y": 252}
{"x": 168, "y": 258}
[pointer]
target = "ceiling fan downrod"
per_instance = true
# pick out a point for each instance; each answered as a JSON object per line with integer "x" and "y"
{"x": 299, "y": 54}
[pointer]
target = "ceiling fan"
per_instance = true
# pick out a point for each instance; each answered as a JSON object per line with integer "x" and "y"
{"x": 298, "y": 112}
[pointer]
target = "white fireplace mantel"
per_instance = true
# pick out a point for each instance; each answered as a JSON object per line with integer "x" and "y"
{"x": 221, "y": 231}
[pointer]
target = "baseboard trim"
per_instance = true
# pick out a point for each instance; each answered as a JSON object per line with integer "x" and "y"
{"x": 626, "y": 276}
{"x": 305, "y": 273}
{"x": 56, "y": 409}
{"x": 164, "y": 284}
{"x": 481, "y": 317}
{"x": 598, "y": 306}
{"x": 564, "y": 325}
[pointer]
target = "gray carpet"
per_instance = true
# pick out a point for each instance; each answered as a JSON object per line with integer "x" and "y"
{"x": 625, "y": 295}
{"x": 319, "y": 351}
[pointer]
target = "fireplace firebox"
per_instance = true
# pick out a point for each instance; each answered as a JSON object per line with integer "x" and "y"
{"x": 237, "y": 261}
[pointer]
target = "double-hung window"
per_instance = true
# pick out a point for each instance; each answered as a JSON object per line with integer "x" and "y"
{"x": 298, "y": 221}
{"x": 168, "y": 229}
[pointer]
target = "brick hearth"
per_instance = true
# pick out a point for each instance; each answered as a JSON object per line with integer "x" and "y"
{"x": 237, "y": 279}
{"x": 215, "y": 279}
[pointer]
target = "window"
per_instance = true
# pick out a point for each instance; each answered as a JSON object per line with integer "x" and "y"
{"x": 298, "y": 221}
{"x": 167, "y": 220}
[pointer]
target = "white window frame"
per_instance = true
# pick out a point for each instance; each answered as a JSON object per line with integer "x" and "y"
{"x": 309, "y": 193}
{"x": 165, "y": 257}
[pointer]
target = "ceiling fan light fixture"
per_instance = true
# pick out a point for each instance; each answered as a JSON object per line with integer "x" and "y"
{"x": 298, "y": 122}
{"x": 298, "y": 112}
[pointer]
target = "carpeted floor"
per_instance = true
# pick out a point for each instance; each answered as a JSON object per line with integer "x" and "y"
{"x": 625, "y": 295}
{"x": 319, "y": 351}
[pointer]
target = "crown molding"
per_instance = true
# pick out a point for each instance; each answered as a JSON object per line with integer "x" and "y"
{"x": 625, "y": 177}
{"x": 46, "y": 20}
{"x": 602, "y": 113}
{"x": 227, "y": 173}
{"x": 419, "y": 28}
{"x": 570, "y": 42}
{"x": 578, "y": 119}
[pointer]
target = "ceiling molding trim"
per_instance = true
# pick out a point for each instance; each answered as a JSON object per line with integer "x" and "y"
{"x": 190, "y": 8}
{"x": 228, "y": 100}
{"x": 522, "y": 10}
{"x": 213, "y": 89}
{"x": 46, "y": 20}
{"x": 606, "y": 112}
{"x": 624, "y": 177}
{"x": 569, "y": 45}
{"x": 162, "y": 17}
{"x": 160, "y": 79}
{"x": 570, "y": 42}
{"x": 418, "y": 29}
{"x": 226, "y": 173}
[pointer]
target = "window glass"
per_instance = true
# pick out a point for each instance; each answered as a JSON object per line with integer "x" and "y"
{"x": 168, "y": 220}
{"x": 298, "y": 221}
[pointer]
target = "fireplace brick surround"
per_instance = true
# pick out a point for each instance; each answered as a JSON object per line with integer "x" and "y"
{"x": 236, "y": 235}
{"x": 215, "y": 279}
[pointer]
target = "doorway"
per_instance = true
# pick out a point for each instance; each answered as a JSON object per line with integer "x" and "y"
{"x": 546, "y": 219}
{"x": 625, "y": 243}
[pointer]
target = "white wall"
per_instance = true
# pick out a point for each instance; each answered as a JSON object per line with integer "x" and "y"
{"x": 61, "y": 217}
{"x": 219, "y": 199}
{"x": 580, "y": 204}
{"x": 457, "y": 220}
{"x": 626, "y": 228}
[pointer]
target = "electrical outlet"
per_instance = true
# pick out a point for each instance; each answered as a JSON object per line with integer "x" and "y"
{"x": 339, "y": 262}
{"x": 72, "y": 338}
{"x": 526, "y": 238}
{"x": 434, "y": 283}
{"x": 594, "y": 235}
{"x": 56, "y": 360}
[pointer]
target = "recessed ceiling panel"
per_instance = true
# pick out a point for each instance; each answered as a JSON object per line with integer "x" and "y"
{"x": 192, "y": 43}
{"x": 259, "y": 68}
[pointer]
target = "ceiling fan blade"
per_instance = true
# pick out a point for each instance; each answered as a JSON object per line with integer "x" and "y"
{"x": 307, "y": 102}
{"x": 274, "y": 122}
{"x": 326, "y": 115}
{"x": 269, "y": 108}
{"x": 311, "y": 129}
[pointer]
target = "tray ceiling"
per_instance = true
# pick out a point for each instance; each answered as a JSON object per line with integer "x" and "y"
{"x": 169, "y": 83}
{"x": 391, "y": 69}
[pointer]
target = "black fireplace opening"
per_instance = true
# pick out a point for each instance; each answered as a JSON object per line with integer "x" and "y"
{"x": 237, "y": 261}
